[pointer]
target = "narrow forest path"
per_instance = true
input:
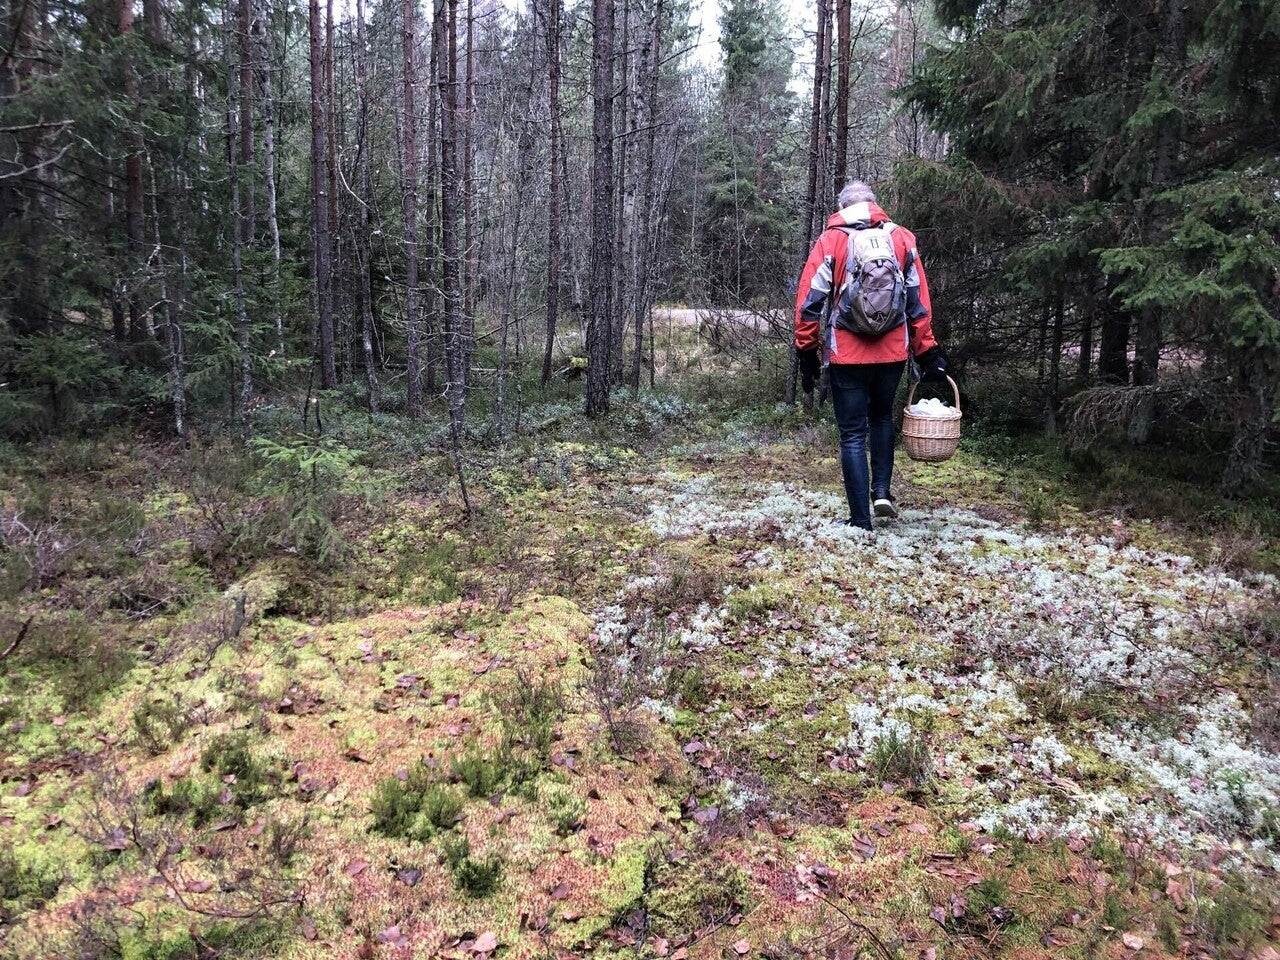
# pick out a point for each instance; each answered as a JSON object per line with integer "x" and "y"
{"x": 673, "y": 710}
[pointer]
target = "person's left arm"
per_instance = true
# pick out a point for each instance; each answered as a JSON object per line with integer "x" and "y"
{"x": 924, "y": 347}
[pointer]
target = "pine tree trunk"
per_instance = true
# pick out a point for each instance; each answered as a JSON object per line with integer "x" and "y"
{"x": 820, "y": 71}
{"x": 555, "y": 188}
{"x": 244, "y": 37}
{"x": 820, "y": 68}
{"x": 322, "y": 242}
{"x": 624, "y": 196}
{"x": 1150, "y": 334}
{"x": 468, "y": 201}
{"x": 1113, "y": 344}
{"x": 842, "y": 93}
{"x": 364, "y": 243}
{"x": 599, "y": 323}
{"x": 172, "y": 322}
{"x": 1084, "y": 365}
{"x": 267, "y": 90}
{"x": 135, "y": 227}
{"x": 1244, "y": 462}
{"x": 450, "y": 191}
{"x": 1055, "y": 366}
{"x": 239, "y": 212}
{"x": 646, "y": 247}
{"x": 432, "y": 341}
{"x": 409, "y": 207}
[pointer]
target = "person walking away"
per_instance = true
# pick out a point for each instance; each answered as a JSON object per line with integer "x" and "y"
{"x": 862, "y": 308}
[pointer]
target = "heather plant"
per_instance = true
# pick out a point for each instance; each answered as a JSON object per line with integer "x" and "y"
{"x": 482, "y": 771}
{"x": 231, "y": 758}
{"x": 475, "y": 876}
{"x": 417, "y": 807}
{"x": 159, "y": 724}
{"x": 900, "y": 756}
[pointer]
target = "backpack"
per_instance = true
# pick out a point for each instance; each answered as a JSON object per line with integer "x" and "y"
{"x": 873, "y": 297}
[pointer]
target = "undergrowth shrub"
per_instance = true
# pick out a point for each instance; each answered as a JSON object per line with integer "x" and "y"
{"x": 197, "y": 798}
{"x": 416, "y": 808}
{"x": 229, "y": 755}
{"x": 566, "y": 810}
{"x": 159, "y": 724}
{"x": 529, "y": 710}
{"x": 686, "y": 897}
{"x": 1232, "y": 911}
{"x": 474, "y": 876}
{"x": 483, "y": 772}
{"x": 307, "y": 476}
{"x": 79, "y": 660}
{"x": 24, "y": 884}
{"x": 756, "y": 601}
{"x": 900, "y": 758}
{"x": 987, "y": 912}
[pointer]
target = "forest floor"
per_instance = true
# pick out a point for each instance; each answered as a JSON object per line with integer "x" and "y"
{"x": 650, "y": 701}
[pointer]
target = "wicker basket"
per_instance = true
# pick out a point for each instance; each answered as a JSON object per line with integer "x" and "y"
{"x": 931, "y": 439}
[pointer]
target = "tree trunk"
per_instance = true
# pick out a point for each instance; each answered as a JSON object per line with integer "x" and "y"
{"x": 820, "y": 69}
{"x": 364, "y": 243}
{"x": 330, "y": 127}
{"x": 1113, "y": 347}
{"x": 1055, "y": 366}
{"x": 322, "y": 243}
{"x": 624, "y": 195}
{"x": 267, "y": 91}
{"x": 599, "y": 324}
{"x": 432, "y": 341}
{"x": 646, "y": 247}
{"x": 553, "y": 173}
{"x": 468, "y": 201}
{"x": 244, "y": 37}
{"x": 409, "y": 207}
{"x": 1150, "y": 333}
{"x": 1084, "y": 364}
{"x": 1244, "y": 462}
{"x": 133, "y": 193}
{"x": 450, "y": 191}
{"x": 842, "y": 93}
{"x": 817, "y": 120}
{"x": 238, "y": 212}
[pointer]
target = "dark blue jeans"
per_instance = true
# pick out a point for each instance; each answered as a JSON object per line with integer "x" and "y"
{"x": 862, "y": 395}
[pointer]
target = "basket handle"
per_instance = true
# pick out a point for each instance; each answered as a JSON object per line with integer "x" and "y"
{"x": 911, "y": 396}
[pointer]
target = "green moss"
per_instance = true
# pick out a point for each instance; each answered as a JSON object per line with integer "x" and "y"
{"x": 27, "y": 882}
{"x": 687, "y": 897}
{"x": 755, "y": 601}
{"x": 625, "y": 885}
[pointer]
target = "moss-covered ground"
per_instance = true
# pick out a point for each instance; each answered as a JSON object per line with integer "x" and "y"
{"x": 649, "y": 700}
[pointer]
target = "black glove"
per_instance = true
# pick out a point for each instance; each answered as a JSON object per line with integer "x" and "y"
{"x": 810, "y": 368}
{"x": 933, "y": 365}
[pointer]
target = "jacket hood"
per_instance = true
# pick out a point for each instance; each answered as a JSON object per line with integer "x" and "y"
{"x": 859, "y": 216}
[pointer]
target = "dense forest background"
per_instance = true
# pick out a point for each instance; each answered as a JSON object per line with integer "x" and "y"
{"x": 209, "y": 205}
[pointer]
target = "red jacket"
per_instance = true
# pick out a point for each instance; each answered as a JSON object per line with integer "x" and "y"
{"x": 816, "y": 288}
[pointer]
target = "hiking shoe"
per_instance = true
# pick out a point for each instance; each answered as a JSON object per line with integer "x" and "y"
{"x": 883, "y": 506}
{"x": 850, "y": 522}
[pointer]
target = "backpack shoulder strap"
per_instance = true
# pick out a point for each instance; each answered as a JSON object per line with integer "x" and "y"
{"x": 888, "y": 227}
